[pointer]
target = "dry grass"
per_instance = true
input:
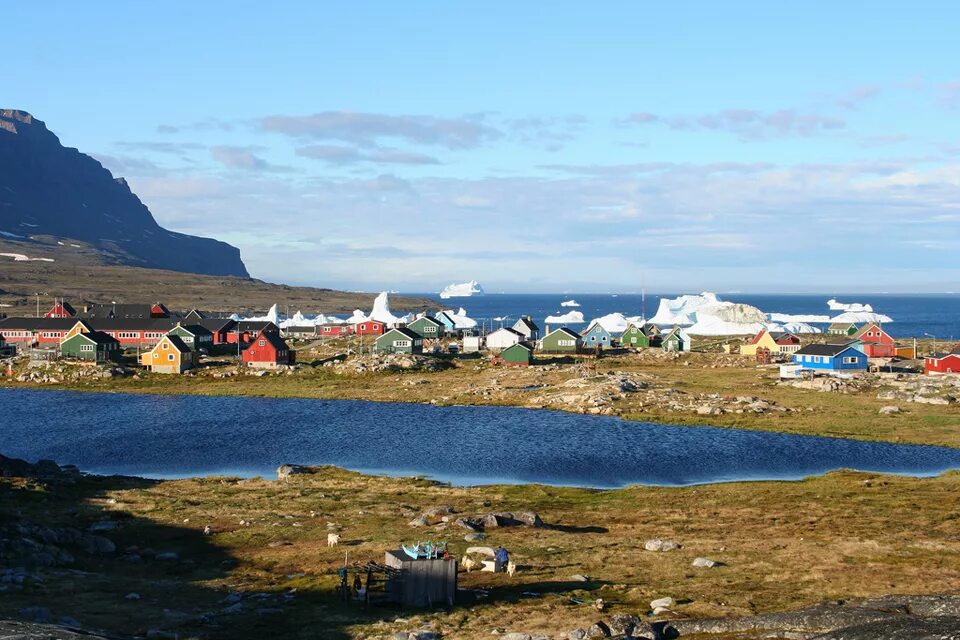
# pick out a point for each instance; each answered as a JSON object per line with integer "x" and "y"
{"x": 785, "y": 544}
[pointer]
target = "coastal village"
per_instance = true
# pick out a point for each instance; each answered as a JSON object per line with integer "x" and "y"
{"x": 152, "y": 337}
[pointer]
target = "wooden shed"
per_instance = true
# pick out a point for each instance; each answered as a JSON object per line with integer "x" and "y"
{"x": 422, "y": 582}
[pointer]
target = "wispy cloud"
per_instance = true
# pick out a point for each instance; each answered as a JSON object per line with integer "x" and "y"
{"x": 858, "y": 95}
{"x": 337, "y": 154}
{"x": 243, "y": 158}
{"x": 368, "y": 129}
{"x": 747, "y": 124}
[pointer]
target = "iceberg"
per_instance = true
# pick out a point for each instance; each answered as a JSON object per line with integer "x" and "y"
{"x": 802, "y": 318}
{"x": 571, "y": 317}
{"x": 854, "y": 306}
{"x": 569, "y": 303}
{"x": 272, "y": 316}
{"x": 860, "y": 317}
{"x": 679, "y": 311}
{"x": 381, "y": 310}
{"x": 462, "y": 290}
{"x": 794, "y": 327}
{"x": 460, "y": 319}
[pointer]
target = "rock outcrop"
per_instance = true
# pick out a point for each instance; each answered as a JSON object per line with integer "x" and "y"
{"x": 49, "y": 189}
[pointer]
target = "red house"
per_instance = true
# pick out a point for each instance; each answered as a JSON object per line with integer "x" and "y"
{"x": 942, "y": 363}
{"x": 877, "y": 343}
{"x": 268, "y": 351}
{"x": 334, "y": 330}
{"x": 61, "y": 309}
{"x": 369, "y": 328}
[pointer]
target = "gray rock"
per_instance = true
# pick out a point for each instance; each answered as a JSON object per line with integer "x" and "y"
{"x": 475, "y": 537}
{"x": 577, "y": 634}
{"x": 419, "y": 521}
{"x": 577, "y": 577}
{"x": 706, "y": 563}
{"x": 889, "y": 410}
{"x": 661, "y": 545}
{"x": 598, "y": 629}
{"x": 132, "y": 596}
{"x": 167, "y": 556}
{"x": 98, "y": 545}
{"x": 514, "y": 635}
{"x": 661, "y": 602}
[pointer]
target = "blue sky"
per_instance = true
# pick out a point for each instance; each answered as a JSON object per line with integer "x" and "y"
{"x": 409, "y": 145}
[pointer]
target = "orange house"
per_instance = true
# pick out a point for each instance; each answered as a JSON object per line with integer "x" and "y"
{"x": 170, "y": 355}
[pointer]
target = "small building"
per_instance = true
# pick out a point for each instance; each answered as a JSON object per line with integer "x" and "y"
{"x": 334, "y": 330}
{"x": 197, "y": 338}
{"x": 267, "y": 351}
{"x": 676, "y": 340}
{"x": 518, "y": 355}
{"x": 399, "y": 340}
{"x": 449, "y": 324}
{"x": 169, "y": 355}
{"x": 422, "y": 582}
{"x": 502, "y": 338}
{"x": 906, "y": 351}
{"x": 369, "y": 328}
{"x": 303, "y": 332}
{"x": 221, "y": 328}
{"x": 61, "y": 309}
{"x": 427, "y": 328}
{"x": 941, "y": 363}
{"x": 842, "y": 329}
{"x": 876, "y": 342}
{"x": 91, "y": 346}
{"x": 832, "y": 357}
{"x": 774, "y": 342}
{"x": 596, "y": 336}
{"x": 127, "y": 311}
{"x": 562, "y": 340}
{"x": 526, "y": 327}
{"x": 472, "y": 344}
{"x": 634, "y": 338}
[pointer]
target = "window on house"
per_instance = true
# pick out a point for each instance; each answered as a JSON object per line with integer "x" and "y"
{"x": 156, "y": 355}
{"x": 170, "y": 357}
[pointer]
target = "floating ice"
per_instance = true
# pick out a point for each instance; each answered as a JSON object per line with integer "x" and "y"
{"x": 462, "y": 290}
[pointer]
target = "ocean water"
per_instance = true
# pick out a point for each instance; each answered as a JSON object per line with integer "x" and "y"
{"x": 176, "y": 436}
{"x": 914, "y": 315}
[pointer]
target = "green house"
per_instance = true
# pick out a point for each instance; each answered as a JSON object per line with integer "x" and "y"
{"x": 196, "y": 338}
{"x": 634, "y": 338}
{"x": 842, "y": 329}
{"x": 676, "y": 340}
{"x": 426, "y": 327}
{"x": 561, "y": 340}
{"x": 399, "y": 341}
{"x": 93, "y": 346}
{"x": 518, "y": 355}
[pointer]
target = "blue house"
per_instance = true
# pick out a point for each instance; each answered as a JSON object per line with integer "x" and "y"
{"x": 831, "y": 357}
{"x": 449, "y": 326}
{"x": 596, "y": 336}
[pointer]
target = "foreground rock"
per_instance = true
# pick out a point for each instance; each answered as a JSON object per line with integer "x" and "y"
{"x": 14, "y": 630}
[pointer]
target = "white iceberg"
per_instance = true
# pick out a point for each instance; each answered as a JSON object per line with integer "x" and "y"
{"x": 835, "y": 305}
{"x": 794, "y": 327}
{"x": 860, "y": 317}
{"x": 381, "y": 311}
{"x": 788, "y": 318}
{"x": 569, "y": 303}
{"x": 462, "y": 290}
{"x": 272, "y": 316}
{"x": 571, "y": 317}
{"x": 681, "y": 310}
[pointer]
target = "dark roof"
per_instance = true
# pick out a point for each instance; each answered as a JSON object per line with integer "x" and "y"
{"x": 824, "y": 349}
{"x": 195, "y": 329}
{"x": 310, "y": 328}
{"x": 569, "y": 332}
{"x": 941, "y": 355}
{"x": 511, "y": 330}
{"x": 130, "y": 324}
{"x": 216, "y": 324}
{"x": 523, "y": 345}
{"x": 37, "y": 324}
{"x": 178, "y": 343}
{"x": 841, "y": 325}
{"x": 108, "y": 310}
{"x": 273, "y": 338}
{"x": 433, "y": 320}
{"x": 406, "y": 332}
{"x": 256, "y": 325}
{"x": 528, "y": 322}
{"x": 98, "y": 336}
{"x": 196, "y": 314}
{"x": 66, "y": 307}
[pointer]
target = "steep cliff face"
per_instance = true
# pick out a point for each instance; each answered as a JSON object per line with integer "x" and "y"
{"x": 49, "y": 189}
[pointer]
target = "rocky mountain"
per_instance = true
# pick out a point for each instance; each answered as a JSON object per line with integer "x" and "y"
{"x": 47, "y": 189}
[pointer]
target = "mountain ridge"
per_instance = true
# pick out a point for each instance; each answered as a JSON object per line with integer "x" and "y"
{"x": 53, "y": 190}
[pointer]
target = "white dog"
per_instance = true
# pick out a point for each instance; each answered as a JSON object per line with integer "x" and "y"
{"x": 333, "y": 539}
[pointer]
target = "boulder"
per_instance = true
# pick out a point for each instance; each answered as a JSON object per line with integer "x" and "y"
{"x": 705, "y": 563}
{"x": 889, "y": 410}
{"x": 598, "y": 629}
{"x": 419, "y": 521}
{"x": 666, "y": 603}
{"x": 661, "y": 545}
{"x": 284, "y": 471}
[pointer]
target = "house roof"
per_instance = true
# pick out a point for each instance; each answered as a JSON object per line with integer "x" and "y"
{"x": 406, "y": 333}
{"x": 307, "y": 328}
{"x": 824, "y": 349}
{"x": 569, "y": 332}
{"x": 216, "y": 324}
{"x": 176, "y": 343}
{"x": 528, "y": 322}
{"x": 509, "y": 330}
{"x": 836, "y": 326}
{"x": 195, "y": 330}
{"x": 594, "y": 326}
{"x": 98, "y": 337}
{"x": 784, "y": 337}
{"x": 131, "y": 324}
{"x": 37, "y": 324}
{"x": 941, "y": 355}
{"x": 427, "y": 319}
{"x": 521, "y": 345}
{"x": 66, "y": 307}
{"x": 109, "y": 310}
{"x": 256, "y": 325}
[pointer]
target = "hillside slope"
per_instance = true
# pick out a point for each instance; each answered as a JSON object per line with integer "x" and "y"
{"x": 49, "y": 189}
{"x": 81, "y": 272}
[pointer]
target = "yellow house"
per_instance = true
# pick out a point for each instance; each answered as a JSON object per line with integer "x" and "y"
{"x": 777, "y": 343}
{"x": 170, "y": 355}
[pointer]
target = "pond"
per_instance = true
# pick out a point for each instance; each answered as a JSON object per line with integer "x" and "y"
{"x": 163, "y": 436}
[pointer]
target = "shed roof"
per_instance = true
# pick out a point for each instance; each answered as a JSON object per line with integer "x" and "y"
{"x": 824, "y": 349}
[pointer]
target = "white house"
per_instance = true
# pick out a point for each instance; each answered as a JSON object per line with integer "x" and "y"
{"x": 527, "y": 328}
{"x": 503, "y": 338}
